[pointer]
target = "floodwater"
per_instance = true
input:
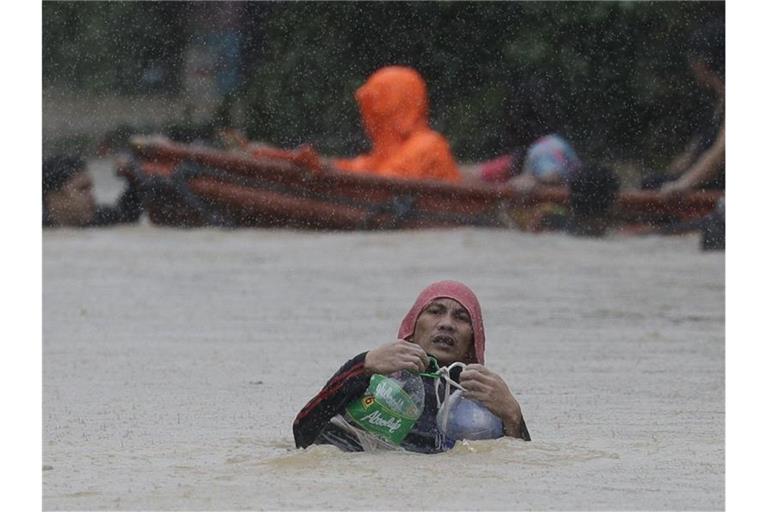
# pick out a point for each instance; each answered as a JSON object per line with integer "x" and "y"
{"x": 174, "y": 362}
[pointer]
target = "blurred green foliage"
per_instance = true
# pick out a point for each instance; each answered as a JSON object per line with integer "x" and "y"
{"x": 619, "y": 69}
{"x": 107, "y": 47}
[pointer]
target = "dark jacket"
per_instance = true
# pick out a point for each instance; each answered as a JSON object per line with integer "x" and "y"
{"x": 312, "y": 425}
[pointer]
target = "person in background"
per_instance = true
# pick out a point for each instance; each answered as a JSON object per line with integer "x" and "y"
{"x": 394, "y": 108}
{"x": 702, "y": 164}
{"x": 540, "y": 154}
{"x": 393, "y": 105}
{"x": 445, "y": 322}
{"x": 68, "y": 198}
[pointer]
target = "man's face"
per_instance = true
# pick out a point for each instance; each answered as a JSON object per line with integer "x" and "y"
{"x": 444, "y": 330}
{"x": 73, "y": 204}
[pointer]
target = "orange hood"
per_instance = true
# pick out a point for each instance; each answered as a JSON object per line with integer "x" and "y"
{"x": 393, "y": 105}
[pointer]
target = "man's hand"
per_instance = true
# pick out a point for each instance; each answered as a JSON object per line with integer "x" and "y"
{"x": 400, "y": 355}
{"x": 489, "y": 388}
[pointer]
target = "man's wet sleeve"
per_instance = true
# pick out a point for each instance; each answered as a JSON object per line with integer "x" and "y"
{"x": 524, "y": 431}
{"x": 346, "y": 384}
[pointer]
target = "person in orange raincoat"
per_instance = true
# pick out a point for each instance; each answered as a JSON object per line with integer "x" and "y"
{"x": 394, "y": 108}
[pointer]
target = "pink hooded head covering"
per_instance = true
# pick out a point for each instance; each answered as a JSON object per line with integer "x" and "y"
{"x": 448, "y": 290}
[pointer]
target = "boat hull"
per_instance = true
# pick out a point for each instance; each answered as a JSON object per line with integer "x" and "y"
{"x": 195, "y": 186}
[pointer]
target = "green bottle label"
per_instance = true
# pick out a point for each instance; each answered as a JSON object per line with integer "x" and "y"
{"x": 385, "y": 410}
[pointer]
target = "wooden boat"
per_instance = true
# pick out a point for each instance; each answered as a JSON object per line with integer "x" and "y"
{"x": 195, "y": 185}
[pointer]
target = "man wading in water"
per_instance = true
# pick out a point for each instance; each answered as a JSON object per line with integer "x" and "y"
{"x": 445, "y": 322}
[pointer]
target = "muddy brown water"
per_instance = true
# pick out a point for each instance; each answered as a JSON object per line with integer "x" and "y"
{"x": 174, "y": 362}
